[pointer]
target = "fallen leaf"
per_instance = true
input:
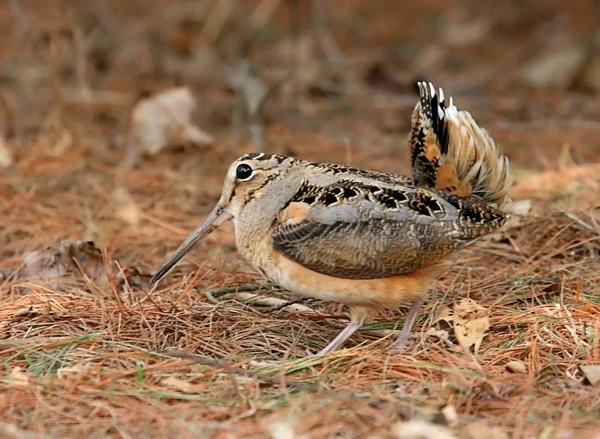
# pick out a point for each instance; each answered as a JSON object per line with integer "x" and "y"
{"x": 163, "y": 120}
{"x": 461, "y": 30}
{"x": 444, "y": 319}
{"x": 63, "y": 372}
{"x": 471, "y": 321}
{"x": 518, "y": 210}
{"x": 84, "y": 256}
{"x": 516, "y": 367}
{"x": 421, "y": 429}
{"x": 127, "y": 209}
{"x": 556, "y": 69}
{"x": 478, "y": 431}
{"x": 592, "y": 373}
{"x": 446, "y": 416}
{"x": 134, "y": 278}
{"x": 6, "y": 156}
{"x": 589, "y": 77}
{"x": 27, "y": 312}
{"x": 282, "y": 430}
{"x": 18, "y": 377}
{"x": 177, "y": 384}
{"x": 43, "y": 264}
{"x": 73, "y": 258}
{"x": 441, "y": 334}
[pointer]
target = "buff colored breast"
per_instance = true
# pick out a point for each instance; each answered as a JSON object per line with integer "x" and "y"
{"x": 388, "y": 292}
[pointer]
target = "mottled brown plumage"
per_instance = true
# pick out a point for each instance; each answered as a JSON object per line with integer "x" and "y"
{"x": 367, "y": 239}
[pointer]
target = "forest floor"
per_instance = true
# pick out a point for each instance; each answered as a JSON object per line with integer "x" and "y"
{"x": 89, "y": 349}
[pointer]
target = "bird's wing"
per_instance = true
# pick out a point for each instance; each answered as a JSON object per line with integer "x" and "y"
{"x": 358, "y": 230}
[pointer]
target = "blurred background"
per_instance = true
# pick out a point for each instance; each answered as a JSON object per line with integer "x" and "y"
{"x": 131, "y": 110}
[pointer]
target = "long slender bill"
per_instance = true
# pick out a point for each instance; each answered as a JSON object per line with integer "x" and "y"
{"x": 214, "y": 219}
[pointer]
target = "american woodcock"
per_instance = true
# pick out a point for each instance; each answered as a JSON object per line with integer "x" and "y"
{"x": 367, "y": 239}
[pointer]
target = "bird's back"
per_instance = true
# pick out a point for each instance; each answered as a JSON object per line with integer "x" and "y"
{"x": 353, "y": 223}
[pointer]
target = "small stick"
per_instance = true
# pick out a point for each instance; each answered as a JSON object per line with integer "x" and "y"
{"x": 237, "y": 370}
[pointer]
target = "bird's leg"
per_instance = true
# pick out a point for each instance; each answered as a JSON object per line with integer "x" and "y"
{"x": 358, "y": 316}
{"x": 411, "y": 316}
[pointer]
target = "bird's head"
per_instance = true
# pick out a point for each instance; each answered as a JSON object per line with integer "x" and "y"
{"x": 247, "y": 179}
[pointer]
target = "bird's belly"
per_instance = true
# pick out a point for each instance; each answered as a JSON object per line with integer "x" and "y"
{"x": 388, "y": 292}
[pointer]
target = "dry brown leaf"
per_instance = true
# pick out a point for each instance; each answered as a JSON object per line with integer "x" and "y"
{"x": 73, "y": 258}
{"x": 471, "y": 321}
{"x": 63, "y": 372}
{"x": 421, "y": 429}
{"x": 282, "y": 430}
{"x": 518, "y": 210}
{"x": 178, "y": 384}
{"x": 127, "y": 209}
{"x": 557, "y": 68}
{"x": 450, "y": 415}
{"x": 444, "y": 319}
{"x": 44, "y": 264}
{"x": 478, "y": 431}
{"x": 446, "y": 314}
{"x": 6, "y": 156}
{"x": 516, "y": 367}
{"x": 133, "y": 278}
{"x": 461, "y": 29}
{"x": 548, "y": 183}
{"x": 18, "y": 377}
{"x": 27, "y": 312}
{"x": 163, "y": 120}
{"x": 592, "y": 373}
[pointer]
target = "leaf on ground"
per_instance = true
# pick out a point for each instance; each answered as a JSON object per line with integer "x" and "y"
{"x": 282, "y": 430}
{"x": 75, "y": 369}
{"x": 548, "y": 184}
{"x": 178, "y": 384}
{"x": 557, "y": 68}
{"x": 6, "y": 156}
{"x": 479, "y": 430}
{"x": 518, "y": 210}
{"x": 461, "y": 29}
{"x": 163, "y": 120}
{"x": 127, "y": 209}
{"x": 592, "y": 373}
{"x": 74, "y": 258}
{"x": 516, "y": 367}
{"x": 133, "y": 278}
{"x": 444, "y": 319}
{"x": 421, "y": 429}
{"x": 18, "y": 377}
{"x": 471, "y": 321}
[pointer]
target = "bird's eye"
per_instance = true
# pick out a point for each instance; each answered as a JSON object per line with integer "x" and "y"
{"x": 243, "y": 172}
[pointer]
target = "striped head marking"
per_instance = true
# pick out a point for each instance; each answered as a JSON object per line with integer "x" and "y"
{"x": 247, "y": 179}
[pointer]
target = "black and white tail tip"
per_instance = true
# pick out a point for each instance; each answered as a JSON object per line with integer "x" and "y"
{"x": 430, "y": 100}
{"x": 433, "y": 105}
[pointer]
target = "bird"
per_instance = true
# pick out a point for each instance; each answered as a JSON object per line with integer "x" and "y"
{"x": 367, "y": 239}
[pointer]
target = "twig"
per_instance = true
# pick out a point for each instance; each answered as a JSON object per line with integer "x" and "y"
{"x": 216, "y": 19}
{"x": 212, "y": 294}
{"x": 238, "y": 371}
{"x": 319, "y": 20}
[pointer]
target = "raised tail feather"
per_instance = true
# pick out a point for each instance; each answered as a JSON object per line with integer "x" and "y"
{"x": 448, "y": 150}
